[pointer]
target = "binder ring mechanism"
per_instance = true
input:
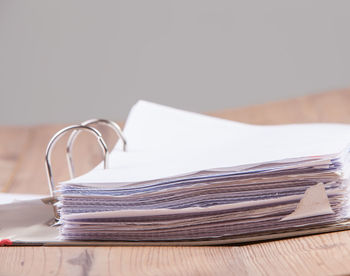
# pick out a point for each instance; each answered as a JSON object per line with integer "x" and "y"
{"x": 53, "y": 141}
{"x": 76, "y": 129}
{"x": 75, "y": 133}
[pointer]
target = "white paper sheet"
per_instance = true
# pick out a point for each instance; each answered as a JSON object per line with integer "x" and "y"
{"x": 165, "y": 142}
{"x": 6, "y": 198}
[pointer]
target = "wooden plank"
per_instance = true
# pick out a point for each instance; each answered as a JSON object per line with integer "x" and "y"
{"x": 325, "y": 254}
{"x": 325, "y": 107}
{"x": 30, "y": 175}
{"x": 13, "y": 141}
{"x": 312, "y": 255}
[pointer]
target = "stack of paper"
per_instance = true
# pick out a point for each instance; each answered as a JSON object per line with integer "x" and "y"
{"x": 193, "y": 178}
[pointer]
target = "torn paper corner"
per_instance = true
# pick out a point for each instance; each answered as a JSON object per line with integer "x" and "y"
{"x": 313, "y": 203}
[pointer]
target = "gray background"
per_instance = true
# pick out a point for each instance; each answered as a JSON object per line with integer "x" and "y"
{"x": 67, "y": 60}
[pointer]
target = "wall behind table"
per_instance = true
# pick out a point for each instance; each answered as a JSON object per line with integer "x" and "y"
{"x": 66, "y": 61}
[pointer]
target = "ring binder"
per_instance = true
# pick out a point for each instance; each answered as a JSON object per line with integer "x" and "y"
{"x": 173, "y": 193}
{"x": 55, "y": 138}
{"x": 75, "y": 133}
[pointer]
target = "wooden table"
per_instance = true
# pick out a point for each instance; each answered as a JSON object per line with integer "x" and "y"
{"x": 22, "y": 171}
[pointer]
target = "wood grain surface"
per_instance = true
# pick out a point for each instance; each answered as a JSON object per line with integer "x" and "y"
{"x": 22, "y": 171}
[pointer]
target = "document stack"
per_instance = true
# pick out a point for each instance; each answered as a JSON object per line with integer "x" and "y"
{"x": 187, "y": 178}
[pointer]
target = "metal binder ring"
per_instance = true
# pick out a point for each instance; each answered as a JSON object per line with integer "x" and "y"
{"x": 55, "y": 138}
{"x": 75, "y": 133}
